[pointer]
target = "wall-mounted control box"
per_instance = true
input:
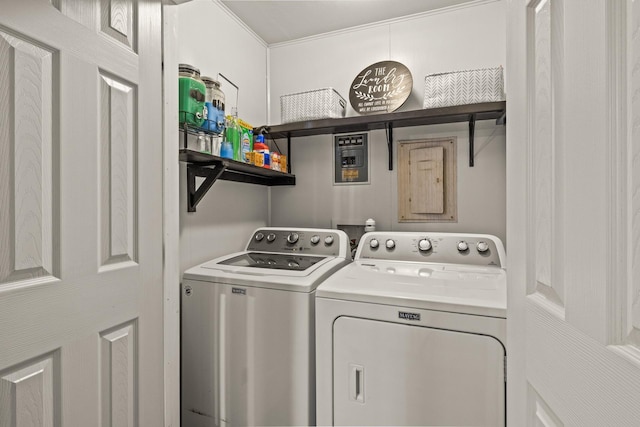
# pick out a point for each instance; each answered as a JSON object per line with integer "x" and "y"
{"x": 351, "y": 159}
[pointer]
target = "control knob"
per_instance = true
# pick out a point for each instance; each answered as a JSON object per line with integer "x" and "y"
{"x": 328, "y": 240}
{"x": 482, "y": 246}
{"x": 424, "y": 245}
{"x": 315, "y": 239}
{"x": 292, "y": 238}
{"x": 259, "y": 237}
{"x": 271, "y": 237}
{"x": 374, "y": 243}
{"x": 293, "y": 264}
{"x": 462, "y": 246}
{"x": 390, "y": 244}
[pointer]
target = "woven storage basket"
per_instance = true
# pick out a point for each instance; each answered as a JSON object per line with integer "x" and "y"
{"x": 312, "y": 105}
{"x": 463, "y": 87}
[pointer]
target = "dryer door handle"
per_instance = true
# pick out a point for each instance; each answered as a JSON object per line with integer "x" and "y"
{"x": 356, "y": 382}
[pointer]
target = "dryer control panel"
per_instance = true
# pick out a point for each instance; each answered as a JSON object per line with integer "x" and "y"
{"x": 446, "y": 248}
{"x": 301, "y": 241}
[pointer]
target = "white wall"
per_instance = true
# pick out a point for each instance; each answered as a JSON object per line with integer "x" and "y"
{"x": 214, "y": 41}
{"x": 464, "y": 37}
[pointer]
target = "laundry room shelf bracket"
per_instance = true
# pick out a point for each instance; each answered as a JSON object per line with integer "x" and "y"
{"x": 210, "y": 176}
{"x": 289, "y": 151}
{"x": 472, "y": 130}
{"x": 213, "y": 168}
{"x": 390, "y": 144}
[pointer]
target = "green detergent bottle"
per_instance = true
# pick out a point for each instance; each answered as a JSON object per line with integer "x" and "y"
{"x": 246, "y": 139}
{"x": 232, "y": 134}
{"x": 191, "y": 96}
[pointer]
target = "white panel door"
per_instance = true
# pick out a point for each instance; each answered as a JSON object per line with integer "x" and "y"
{"x": 573, "y": 232}
{"x": 80, "y": 213}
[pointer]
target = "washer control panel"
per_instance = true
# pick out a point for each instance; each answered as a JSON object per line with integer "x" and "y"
{"x": 446, "y": 248}
{"x": 303, "y": 241}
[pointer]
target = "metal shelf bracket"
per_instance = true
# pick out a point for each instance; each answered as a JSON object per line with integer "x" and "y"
{"x": 389, "y": 127}
{"x": 210, "y": 176}
{"x": 289, "y": 153}
{"x": 472, "y": 128}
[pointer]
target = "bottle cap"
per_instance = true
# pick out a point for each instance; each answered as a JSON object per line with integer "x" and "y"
{"x": 258, "y": 146}
{"x": 188, "y": 69}
{"x": 209, "y": 81}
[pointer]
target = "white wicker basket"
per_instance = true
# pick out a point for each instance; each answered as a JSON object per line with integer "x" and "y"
{"x": 312, "y": 105}
{"x": 463, "y": 87}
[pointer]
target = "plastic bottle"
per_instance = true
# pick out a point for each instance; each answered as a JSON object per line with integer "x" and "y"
{"x": 226, "y": 150}
{"x": 232, "y": 134}
{"x": 246, "y": 139}
{"x": 369, "y": 225}
{"x": 262, "y": 148}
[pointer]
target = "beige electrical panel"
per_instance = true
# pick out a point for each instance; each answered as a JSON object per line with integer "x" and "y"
{"x": 426, "y": 175}
{"x": 427, "y": 181}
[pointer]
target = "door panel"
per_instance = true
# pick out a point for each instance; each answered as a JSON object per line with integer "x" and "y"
{"x": 545, "y": 40}
{"x": 80, "y": 214}
{"x": 26, "y": 161}
{"x": 118, "y": 375}
{"x": 571, "y": 173}
{"x": 118, "y": 170}
{"x": 27, "y": 393}
{"x": 540, "y": 415}
{"x": 631, "y": 301}
{"x": 117, "y": 18}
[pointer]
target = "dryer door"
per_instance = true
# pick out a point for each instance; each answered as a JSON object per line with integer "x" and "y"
{"x": 397, "y": 374}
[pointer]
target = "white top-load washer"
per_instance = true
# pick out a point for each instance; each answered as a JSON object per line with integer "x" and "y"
{"x": 413, "y": 332}
{"x": 248, "y": 344}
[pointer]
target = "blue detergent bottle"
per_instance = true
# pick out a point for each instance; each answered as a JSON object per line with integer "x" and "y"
{"x": 226, "y": 150}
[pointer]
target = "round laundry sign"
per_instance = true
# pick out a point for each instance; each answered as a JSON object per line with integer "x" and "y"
{"x": 381, "y": 88}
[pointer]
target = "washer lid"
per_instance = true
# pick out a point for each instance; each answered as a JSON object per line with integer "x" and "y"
{"x": 235, "y": 269}
{"x": 446, "y": 287}
{"x": 273, "y": 261}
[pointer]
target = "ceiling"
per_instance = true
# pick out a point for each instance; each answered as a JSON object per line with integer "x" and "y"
{"x": 281, "y": 21}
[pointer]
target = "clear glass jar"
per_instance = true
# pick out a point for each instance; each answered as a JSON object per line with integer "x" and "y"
{"x": 204, "y": 143}
{"x": 215, "y": 105}
{"x": 191, "y": 95}
{"x": 218, "y": 97}
{"x": 215, "y": 95}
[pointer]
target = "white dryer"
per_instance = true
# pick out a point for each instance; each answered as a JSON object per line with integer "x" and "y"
{"x": 248, "y": 344}
{"x": 413, "y": 332}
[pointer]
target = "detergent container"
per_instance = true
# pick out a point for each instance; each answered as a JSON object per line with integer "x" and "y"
{"x": 214, "y": 103}
{"x": 191, "y": 96}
